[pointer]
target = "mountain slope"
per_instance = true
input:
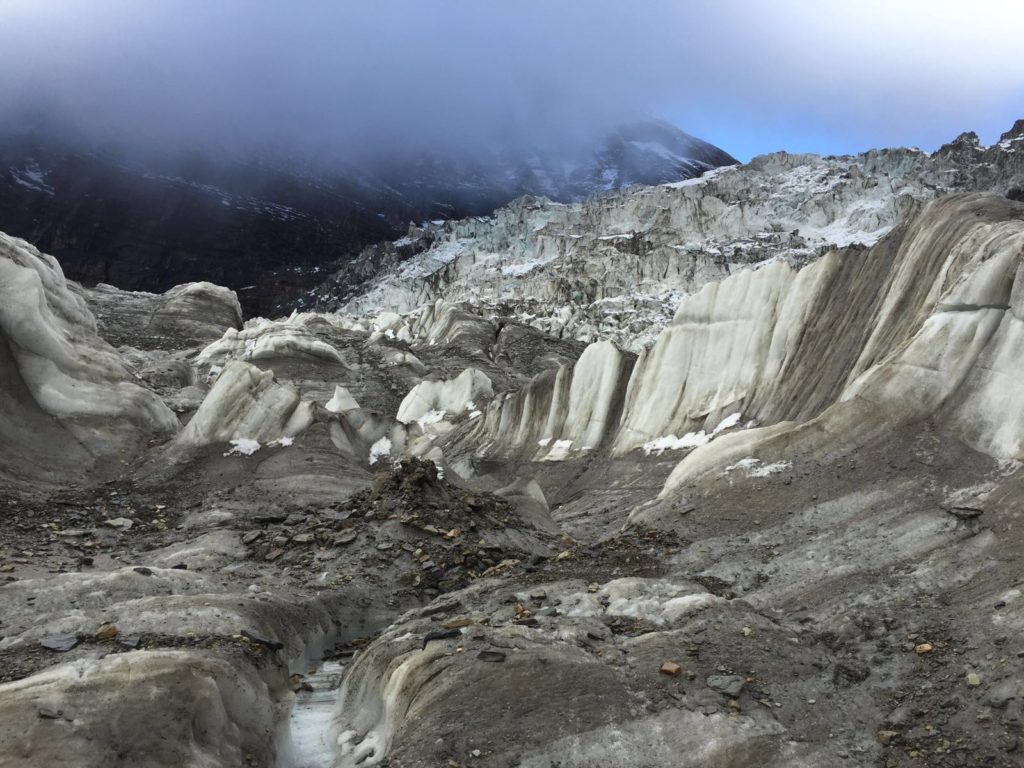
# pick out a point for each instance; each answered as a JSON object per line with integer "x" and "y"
{"x": 264, "y": 227}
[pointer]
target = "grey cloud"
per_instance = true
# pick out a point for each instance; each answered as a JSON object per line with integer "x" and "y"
{"x": 344, "y": 80}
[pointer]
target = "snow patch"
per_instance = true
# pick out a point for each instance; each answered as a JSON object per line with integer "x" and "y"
{"x": 728, "y": 422}
{"x": 32, "y": 177}
{"x": 430, "y": 417}
{"x": 518, "y": 270}
{"x": 380, "y": 450}
{"x": 771, "y": 469}
{"x": 657, "y": 601}
{"x": 752, "y": 467}
{"x": 672, "y": 443}
{"x": 691, "y": 439}
{"x": 698, "y": 181}
{"x": 243, "y": 446}
{"x": 559, "y": 451}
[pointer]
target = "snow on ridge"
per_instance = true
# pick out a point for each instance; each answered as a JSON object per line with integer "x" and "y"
{"x": 704, "y": 178}
{"x": 728, "y": 422}
{"x": 518, "y": 270}
{"x": 668, "y": 239}
{"x": 672, "y": 443}
{"x": 434, "y": 259}
{"x": 231, "y": 200}
{"x": 656, "y": 148}
{"x": 32, "y": 177}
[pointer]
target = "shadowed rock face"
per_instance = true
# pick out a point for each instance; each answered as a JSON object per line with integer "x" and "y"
{"x": 264, "y": 228}
{"x": 785, "y": 533}
{"x": 258, "y": 227}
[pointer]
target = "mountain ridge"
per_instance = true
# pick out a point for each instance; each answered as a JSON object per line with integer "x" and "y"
{"x": 149, "y": 224}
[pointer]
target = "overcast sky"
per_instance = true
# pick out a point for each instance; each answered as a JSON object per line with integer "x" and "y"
{"x": 342, "y": 79}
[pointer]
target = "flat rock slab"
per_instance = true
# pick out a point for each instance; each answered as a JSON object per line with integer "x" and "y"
{"x": 729, "y": 685}
{"x": 59, "y": 643}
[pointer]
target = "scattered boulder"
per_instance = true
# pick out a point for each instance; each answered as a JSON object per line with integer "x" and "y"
{"x": 727, "y": 685}
{"x": 670, "y": 668}
{"x": 60, "y": 643}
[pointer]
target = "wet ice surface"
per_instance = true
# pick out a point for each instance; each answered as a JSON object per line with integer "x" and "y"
{"x": 309, "y": 743}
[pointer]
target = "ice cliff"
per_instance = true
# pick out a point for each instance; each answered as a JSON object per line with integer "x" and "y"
{"x": 67, "y": 398}
{"x": 925, "y": 324}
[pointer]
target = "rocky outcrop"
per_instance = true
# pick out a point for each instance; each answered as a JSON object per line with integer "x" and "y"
{"x": 67, "y": 397}
{"x": 400, "y": 692}
{"x": 181, "y": 317}
{"x": 210, "y": 712}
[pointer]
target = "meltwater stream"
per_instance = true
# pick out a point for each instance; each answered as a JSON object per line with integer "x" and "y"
{"x": 309, "y": 728}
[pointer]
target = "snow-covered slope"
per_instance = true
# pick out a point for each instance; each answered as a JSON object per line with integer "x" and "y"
{"x": 615, "y": 266}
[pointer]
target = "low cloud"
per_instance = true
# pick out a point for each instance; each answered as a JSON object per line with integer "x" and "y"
{"x": 344, "y": 81}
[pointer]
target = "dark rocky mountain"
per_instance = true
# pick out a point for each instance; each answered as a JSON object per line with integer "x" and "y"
{"x": 265, "y": 227}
